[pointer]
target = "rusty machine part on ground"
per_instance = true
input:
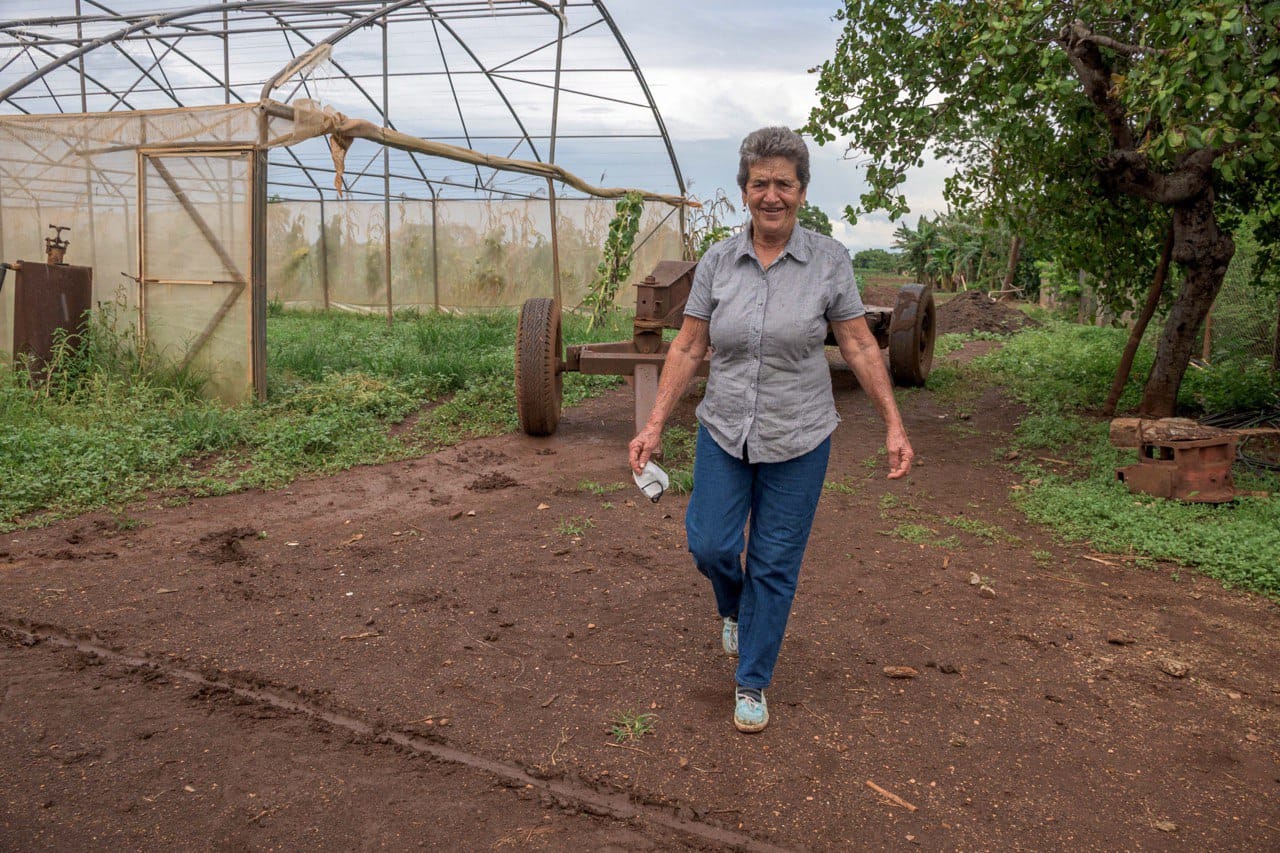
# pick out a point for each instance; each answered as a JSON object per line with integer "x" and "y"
{"x": 906, "y": 331}
{"x": 1178, "y": 459}
{"x": 47, "y": 297}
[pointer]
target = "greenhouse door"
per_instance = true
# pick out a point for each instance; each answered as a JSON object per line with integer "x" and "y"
{"x": 202, "y": 290}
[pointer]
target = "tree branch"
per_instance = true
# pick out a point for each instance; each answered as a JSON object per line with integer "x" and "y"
{"x": 1129, "y": 172}
{"x": 1095, "y": 76}
{"x": 1121, "y": 47}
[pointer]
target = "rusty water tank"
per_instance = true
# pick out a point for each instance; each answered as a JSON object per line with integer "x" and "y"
{"x": 48, "y": 297}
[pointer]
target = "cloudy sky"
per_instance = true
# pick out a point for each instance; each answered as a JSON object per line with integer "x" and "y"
{"x": 721, "y": 68}
{"x": 717, "y": 70}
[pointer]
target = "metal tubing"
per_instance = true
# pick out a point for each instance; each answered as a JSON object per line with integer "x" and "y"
{"x": 324, "y": 255}
{"x": 386, "y": 184}
{"x": 551, "y": 187}
{"x": 435, "y": 250}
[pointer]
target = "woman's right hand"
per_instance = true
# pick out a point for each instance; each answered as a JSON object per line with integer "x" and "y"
{"x": 644, "y": 445}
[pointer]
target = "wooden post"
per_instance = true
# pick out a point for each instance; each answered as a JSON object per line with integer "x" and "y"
{"x": 646, "y": 381}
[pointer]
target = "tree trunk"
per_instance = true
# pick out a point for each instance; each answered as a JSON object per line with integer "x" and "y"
{"x": 1006, "y": 286}
{"x": 1204, "y": 252}
{"x": 1139, "y": 328}
{"x": 1086, "y": 308}
{"x": 1275, "y": 343}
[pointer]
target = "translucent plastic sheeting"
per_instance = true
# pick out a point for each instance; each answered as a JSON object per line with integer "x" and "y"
{"x": 175, "y": 251}
{"x": 196, "y": 252}
{"x": 491, "y": 254}
{"x": 82, "y": 171}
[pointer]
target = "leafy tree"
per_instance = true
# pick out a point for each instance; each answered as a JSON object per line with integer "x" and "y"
{"x": 959, "y": 250}
{"x": 917, "y": 246}
{"x": 1089, "y": 125}
{"x": 811, "y": 217}
{"x": 876, "y": 259}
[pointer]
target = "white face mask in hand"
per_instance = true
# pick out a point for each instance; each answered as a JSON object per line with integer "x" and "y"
{"x": 652, "y": 481}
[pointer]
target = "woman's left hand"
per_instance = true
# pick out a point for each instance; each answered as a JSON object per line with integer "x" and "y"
{"x": 900, "y": 453}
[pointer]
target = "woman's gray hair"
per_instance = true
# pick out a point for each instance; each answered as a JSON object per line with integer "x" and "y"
{"x": 773, "y": 142}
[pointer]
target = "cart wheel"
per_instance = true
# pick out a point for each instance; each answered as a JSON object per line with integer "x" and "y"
{"x": 911, "y": 334}
{"x": 538, "y": 353}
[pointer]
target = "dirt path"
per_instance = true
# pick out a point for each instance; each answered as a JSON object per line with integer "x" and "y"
{"x": 426, "y": 654}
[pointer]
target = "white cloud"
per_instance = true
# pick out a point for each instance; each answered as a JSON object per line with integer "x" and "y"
{"x": 730, "y": 104}
{"x": 871, "y": 232}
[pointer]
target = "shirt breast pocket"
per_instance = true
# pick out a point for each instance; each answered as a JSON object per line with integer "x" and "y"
{"x": 808, "y": 326}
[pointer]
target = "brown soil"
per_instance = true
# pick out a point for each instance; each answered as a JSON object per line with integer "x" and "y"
{"x": 431, "y": 653}
{"x": 970, "y": 311}
{"x": 974, "y": 311}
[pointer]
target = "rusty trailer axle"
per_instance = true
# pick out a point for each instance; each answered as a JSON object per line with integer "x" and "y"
{"x": 906, "y": 331}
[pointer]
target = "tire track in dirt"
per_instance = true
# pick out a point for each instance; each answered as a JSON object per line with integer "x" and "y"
{"x": 591, "y": 800}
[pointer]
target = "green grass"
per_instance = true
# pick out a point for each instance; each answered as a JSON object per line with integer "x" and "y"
{"x": 918, "y": 534}
{"x": 111, "y": 425}
{"x": 594, "y": 488}
{"x": 1062, "y": 373}
{"x": 839, "y": 487}
{"x": 629, "y": 726}
{"x": 913, "y": 533}
{"x": 980, "y": 529}
{"x": 678, "y": 444}
{"x": 575, "y": 526}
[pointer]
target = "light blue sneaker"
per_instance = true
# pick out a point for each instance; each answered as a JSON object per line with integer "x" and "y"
{"x": 729, "y": 636}
{"x": 750, "y": 711}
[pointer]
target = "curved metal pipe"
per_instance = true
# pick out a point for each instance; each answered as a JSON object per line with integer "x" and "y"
{"x": 153, "y": 21}
{"x": 339, "y": 34}
{"x": 657, "y": 116}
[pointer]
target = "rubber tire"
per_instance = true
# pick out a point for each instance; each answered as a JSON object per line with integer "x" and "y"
{"x": 911, "y": 334}
{"x": 539, "y": 349}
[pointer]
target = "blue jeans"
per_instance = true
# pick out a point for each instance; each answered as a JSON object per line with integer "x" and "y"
{"x": 781, "y": 499}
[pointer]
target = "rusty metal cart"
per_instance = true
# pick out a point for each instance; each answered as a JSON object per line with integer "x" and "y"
{"x": 906, "y": 331}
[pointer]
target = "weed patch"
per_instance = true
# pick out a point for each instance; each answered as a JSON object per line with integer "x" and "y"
{"x": 109, "y": 422}
{"x": 629, "y": 726}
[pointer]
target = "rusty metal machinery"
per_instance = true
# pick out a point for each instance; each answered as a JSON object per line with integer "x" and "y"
{"x": 47, "y": 297}
{"x": 1178, "y": 458}
{"x": 907, "y": 331}
{"x": 1195, "y": 471}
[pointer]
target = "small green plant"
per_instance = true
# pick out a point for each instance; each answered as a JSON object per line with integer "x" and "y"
{"x": 1044, "y": 558}
{"x": 599, "y": 488}
{"x": 615, "y": 266}
{"x": 981, "y": 529}
{"x": 575, "y": 526}
{"x": 918, "y": 534}
{"x": 890, "y": 501}
{"x": 839, "y": 487}
{"x": 913, "y": 533}
{"x": 123, "y": 521}
{"x": 629, "y": 726}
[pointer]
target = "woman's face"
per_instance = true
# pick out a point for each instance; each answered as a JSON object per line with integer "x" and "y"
{"x": 773, "y": 195}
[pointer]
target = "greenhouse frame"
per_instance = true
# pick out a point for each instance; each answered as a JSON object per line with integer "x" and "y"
{"x": 367, "y": 155}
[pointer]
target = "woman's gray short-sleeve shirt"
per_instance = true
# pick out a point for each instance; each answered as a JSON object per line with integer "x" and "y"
{"x": 769, "y": 390}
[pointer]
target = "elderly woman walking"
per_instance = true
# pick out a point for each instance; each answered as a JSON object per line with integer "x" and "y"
{"x": 763, "y": 300}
